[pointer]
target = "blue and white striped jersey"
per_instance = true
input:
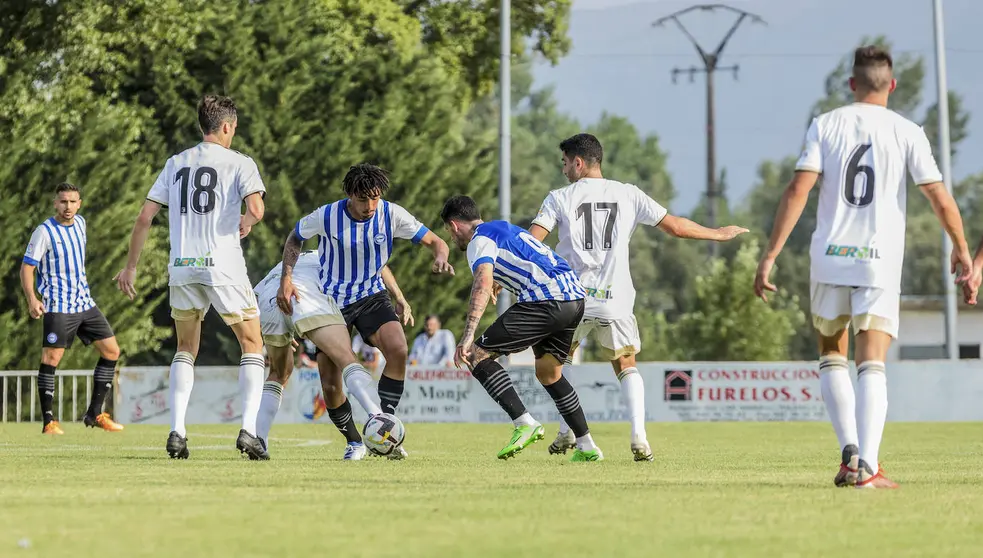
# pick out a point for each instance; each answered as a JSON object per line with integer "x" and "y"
{"x": 525, "y": 266}
{"x": 353, "y": 252}
{"x": 58, "y": 251}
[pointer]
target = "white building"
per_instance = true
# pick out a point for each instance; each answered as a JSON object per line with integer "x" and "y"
{"x": 922, "y": 331}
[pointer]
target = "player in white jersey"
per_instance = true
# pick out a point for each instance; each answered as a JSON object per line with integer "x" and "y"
{"x": 596, "y": 218}
{"x": 57, "y": 251}
{"x": 355, "y": 240}
{"x": 204, "y": 188}
{"x": 317, "y": 318}
{"x": 862, "y": 151}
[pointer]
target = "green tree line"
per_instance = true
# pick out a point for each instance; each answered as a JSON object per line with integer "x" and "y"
{"x": 100, "y": 94}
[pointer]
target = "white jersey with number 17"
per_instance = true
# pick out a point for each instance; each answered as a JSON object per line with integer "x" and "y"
{"x": 863, "y": 152}
{"x": 203, "y": 189}
{"x": 596, "y": 218}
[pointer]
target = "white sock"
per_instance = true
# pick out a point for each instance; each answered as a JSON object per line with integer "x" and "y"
{"x": 252, "y": 370}
{"x": 181, "y": 381}
{"x": 524, "y": 420}
{"x": 633, "y": 392}
{"x": 586, "y": 443}
{"x": 359, "y": 384}
{"x": 268, "y": 406}
{"x": 841, "y": 402}
{"x": 871, "y": 409}
{"x": 564, "y": 427}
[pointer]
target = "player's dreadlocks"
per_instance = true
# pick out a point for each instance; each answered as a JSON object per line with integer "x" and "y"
{"x": 364, "y": 181}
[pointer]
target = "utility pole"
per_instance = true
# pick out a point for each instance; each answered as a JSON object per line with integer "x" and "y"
{"x": 505, "y": 129}
{"x": 945, "y": 156}
{"x": 710, "y": 65}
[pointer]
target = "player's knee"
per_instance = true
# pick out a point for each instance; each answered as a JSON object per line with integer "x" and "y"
{"x": 280, "y": 375}
{"x": 110, "y": 352}
{"x": 51, "y": 357}
{"x": 396, "y": 353}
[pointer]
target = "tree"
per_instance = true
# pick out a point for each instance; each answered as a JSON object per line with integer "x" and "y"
{"x": 727, "y": 322}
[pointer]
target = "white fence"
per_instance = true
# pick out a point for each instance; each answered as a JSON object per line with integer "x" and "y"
{"x": 19, "y": 389}
{"x": 693, "y": 391}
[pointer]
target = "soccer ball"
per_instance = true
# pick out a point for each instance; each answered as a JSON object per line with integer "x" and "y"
{"x": 383, "y": 433}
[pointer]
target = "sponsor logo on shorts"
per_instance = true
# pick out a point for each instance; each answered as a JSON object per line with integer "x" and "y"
{"x": 52, "y": 337}
{"x": 857, "y": 252}
{"x": 202, "y": 261}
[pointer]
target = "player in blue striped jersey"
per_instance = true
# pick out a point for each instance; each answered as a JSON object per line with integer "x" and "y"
{"x": 57, "y": 251}
{"x": 355, "y": 240}
{"x": 549, "y": 309}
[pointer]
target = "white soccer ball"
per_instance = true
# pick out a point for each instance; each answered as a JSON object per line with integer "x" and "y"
{"x": 383, "y": 433}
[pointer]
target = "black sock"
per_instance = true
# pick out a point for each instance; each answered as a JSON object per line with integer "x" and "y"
{"x": 568, "y": 404}
{"x": 390, "y": 392}
{"x": 343, "y": 420}
{"x": 102, "y": 382}
{"x": 46, "y": 391}
{"x": 498, "y": 384}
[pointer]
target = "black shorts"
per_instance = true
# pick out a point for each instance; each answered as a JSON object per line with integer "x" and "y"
{"x": 369, "y": 314}
{"x": 61, "y": 329}
{"x": 547, "y": 326}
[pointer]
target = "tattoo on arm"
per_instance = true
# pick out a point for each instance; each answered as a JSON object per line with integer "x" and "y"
{"x": 291, "y": 252}
{"x": 480, "y": 294}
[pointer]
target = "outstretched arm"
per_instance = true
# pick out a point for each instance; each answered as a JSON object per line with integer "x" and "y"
{"x": 681, "y": 227}
{"x": 789, "y": 210}
{"x": 126, "y": 278}
{"x": 440, "y": 253}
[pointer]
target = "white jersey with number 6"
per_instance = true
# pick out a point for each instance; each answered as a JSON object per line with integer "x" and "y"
{"x": 203, "y": 189}
{"x": 596, "y": 217}
{"x": 863, "y": 152}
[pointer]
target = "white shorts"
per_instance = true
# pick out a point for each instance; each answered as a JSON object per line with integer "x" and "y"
{"x": 617, "y": 338}
{"x": 834, "y": 307}
{"x": 314, "y": 310}
{"x": 235, "y": 303}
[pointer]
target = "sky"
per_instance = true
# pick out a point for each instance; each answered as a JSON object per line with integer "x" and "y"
{"x": 621, "y": 64}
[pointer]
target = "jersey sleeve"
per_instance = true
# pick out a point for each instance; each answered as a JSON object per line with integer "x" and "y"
{"x": 921, "y": 162}
{"x": 549, "y": 213}
{"x": 249, "y": 180}
{"x": 158, "y": 192}
{"x": 407, "y": 226}
{"x": 312, "y": 225}
{"x": 647, "y": 210}
{"x": 812, "y": 154}
{"x": 36, "y": 247}
{"x": 481, "y": 250}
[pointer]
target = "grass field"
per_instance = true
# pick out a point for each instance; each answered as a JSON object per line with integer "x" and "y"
{"x": 715, "y": 489}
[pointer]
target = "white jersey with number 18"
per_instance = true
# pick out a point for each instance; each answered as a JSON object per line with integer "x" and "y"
{"x": 203, "y": 189}
{"x": 863, "y": 152}
{"x": 596, "y": 217}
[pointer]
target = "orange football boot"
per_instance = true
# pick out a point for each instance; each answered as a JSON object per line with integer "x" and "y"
{"x": 103, "y": 421}
{"x": 53, "y": 428}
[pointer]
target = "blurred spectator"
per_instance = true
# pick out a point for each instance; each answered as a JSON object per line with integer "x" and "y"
{"x": 434, "y": 346}
{"x": 308, "y": 356}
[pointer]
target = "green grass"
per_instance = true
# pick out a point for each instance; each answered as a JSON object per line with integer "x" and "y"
{"x": 715, "y": 489}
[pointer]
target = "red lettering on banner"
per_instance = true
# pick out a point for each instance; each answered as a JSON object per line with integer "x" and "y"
{"x": 438, "y": 374}
{"x": 756, "y": 375}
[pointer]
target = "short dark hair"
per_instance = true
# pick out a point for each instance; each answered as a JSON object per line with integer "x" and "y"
{"x": 67, "y": 187}
{"x": 364, "y": 180}
{"x": 213, "y": 110}
{"x": 872, "y": 68}
{"x": 585, "y": 146}
{"x": 431, "y": 316}
{"x": 460, "y": 208}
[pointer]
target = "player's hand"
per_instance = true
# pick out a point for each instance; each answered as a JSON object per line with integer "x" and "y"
{"x": 244, "y": 229}
{"x": 36, "y": 308}
{"x": 962, "y": 266}
{"x": 285, "y": 296}
{"x": 730, "y": 232}
{"x": 972, "y": 287}
{"x": 761, "y": 283}
{"x": 294, "y": 345}
{"x": 496, "y": 288}
{"x": 125, "y": 280}
{"x": 440, "y": 266}
{"x": 405, "y": 312}
{"x": 463, "y": 352}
